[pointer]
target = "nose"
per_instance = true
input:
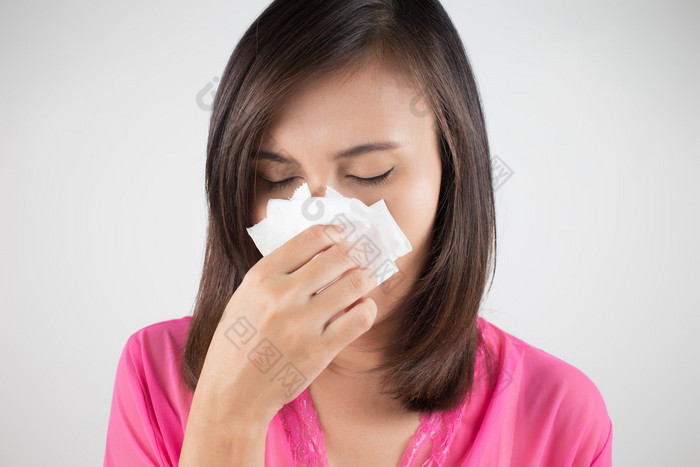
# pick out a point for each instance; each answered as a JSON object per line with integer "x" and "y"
{"x": 318, "y": 191}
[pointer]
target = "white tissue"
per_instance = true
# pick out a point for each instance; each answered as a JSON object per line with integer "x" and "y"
{"x": 377, "y": 239}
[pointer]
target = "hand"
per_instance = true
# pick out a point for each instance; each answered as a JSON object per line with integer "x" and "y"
{"x": 277, "y": 334}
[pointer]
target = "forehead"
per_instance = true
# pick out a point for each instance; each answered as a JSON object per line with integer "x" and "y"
{"x": 372, "y": 102}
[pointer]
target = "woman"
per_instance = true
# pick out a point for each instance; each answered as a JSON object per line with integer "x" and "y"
{"x": 377, "y": 99}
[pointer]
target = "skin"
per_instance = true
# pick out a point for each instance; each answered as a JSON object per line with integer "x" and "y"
{"x": 336, "y": 113}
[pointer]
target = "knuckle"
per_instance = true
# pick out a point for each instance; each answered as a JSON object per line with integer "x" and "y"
{"x": 340, "y": 254}
{"x": 265, "y": 290}
{"x": 365, "y": 315}
{"x": 315, "y": 233}
{"x": 289, "y": 293}
{"x": 358, "y": 280}
{"x": 254, "y": 275}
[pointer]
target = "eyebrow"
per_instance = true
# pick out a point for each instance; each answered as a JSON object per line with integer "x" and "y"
{"x": 350, "y": 152}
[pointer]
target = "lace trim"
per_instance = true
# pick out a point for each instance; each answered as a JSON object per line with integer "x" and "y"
{"x": 308, "y": 447}
{"x": 304, "y": 432}
{"x": 305, "y": 435}
{"x": 438, "y": 427}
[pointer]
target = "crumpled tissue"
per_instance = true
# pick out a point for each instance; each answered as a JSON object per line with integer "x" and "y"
{"x": 377, "y": 240}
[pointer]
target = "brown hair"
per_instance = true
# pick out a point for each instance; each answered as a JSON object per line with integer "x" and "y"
{"x": 432, "y": 359}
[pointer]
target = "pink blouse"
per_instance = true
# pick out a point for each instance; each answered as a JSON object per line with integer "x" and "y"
{"x": 533, "y": 410}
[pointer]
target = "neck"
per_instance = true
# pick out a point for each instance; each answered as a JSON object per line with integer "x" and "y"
{"x": 343, "y": 388}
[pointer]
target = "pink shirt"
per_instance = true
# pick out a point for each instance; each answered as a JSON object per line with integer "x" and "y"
{"x": 536, "y": 410}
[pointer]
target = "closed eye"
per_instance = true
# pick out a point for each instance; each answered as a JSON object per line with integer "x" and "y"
{"x": 379, "y": 179}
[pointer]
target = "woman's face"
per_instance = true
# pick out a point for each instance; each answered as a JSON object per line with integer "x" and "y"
{"x": 332, "y": 114}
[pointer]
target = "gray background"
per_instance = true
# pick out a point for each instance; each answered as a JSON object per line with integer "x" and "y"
{"x": 592, "y": 106}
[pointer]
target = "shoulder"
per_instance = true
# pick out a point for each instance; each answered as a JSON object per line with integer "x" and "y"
{"x": 545, "y": 377}
{"x": 172, "y": 332}
{"x": 153, "y": 353}
{"x": 556, "y": 397}
{"x": 554, "y": 381}
{"x": 150, "y": 402}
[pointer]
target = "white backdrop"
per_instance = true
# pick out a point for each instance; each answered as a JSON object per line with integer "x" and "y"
{"x": 592, "y": 107}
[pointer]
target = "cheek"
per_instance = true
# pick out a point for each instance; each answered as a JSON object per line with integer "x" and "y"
{"x": 258, "y": 215}
{"x": 415, "y": 206}
{"x": 413, "y": 209}
{"x": 414, "y": 217}
{"x": 258, "y": 207}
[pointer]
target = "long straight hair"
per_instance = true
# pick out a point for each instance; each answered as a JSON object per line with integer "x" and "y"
{"x": 431, "y": 363}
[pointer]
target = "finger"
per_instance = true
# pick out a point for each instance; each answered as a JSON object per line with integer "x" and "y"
{"x": 342, "y": 293}
{"x": 301, "y": 248}
{"x": 349, "y": 325}
{"x": 325, "y": 268}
